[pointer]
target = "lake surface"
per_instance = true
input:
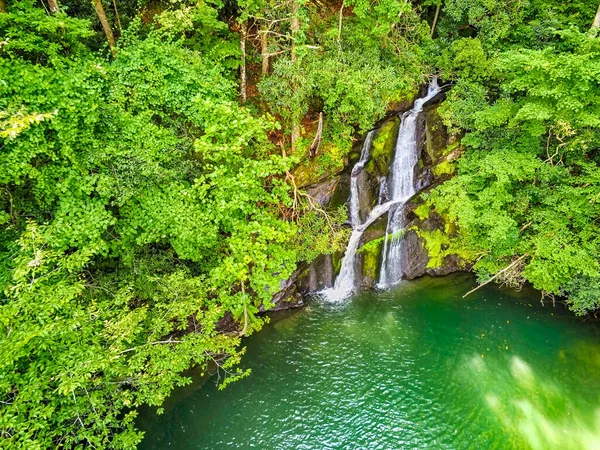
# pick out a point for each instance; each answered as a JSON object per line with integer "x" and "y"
{"x": 416, "y": 367}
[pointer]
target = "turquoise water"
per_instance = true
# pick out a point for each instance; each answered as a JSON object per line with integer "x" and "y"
{"x": 417, "y": 367}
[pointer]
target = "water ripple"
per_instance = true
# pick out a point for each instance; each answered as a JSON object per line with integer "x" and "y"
{"x": 409, "y": 369}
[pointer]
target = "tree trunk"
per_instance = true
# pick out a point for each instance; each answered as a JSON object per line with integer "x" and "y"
{"x": 264, "y": 49}
{"x": 339, "y": 37}
{"x": 118, "y": 17}
{"x": 317, "y": 141}
{"x": 243, "y": 82}
{"x": 110, "y": 37}
{"x": 53, "y": 6}
{"x": 295, "y": 26}
{"x": 435, "y": 19}
{"x": 596, "y": 23}
{"x": 2, "y": 6}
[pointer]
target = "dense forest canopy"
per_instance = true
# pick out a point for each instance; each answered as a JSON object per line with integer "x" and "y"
{"x": 153, "y": 155}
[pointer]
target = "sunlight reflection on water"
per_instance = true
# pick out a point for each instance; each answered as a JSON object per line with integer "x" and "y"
{"x": 536, "y": 409}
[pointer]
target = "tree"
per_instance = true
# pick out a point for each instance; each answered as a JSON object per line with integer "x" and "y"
{"x": 53, "y": 6}
{"x": 520, "y": 205}
{"x": 152, "y": 200}
{"x": 596, "y": 23}
{"x": 110, "y": 37}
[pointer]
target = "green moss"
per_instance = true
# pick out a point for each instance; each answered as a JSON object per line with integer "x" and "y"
{"x": 439, "y": 245}
{"x": 443, "y": 168}
{"x": 371, "y": 252}
{"x": 450, "y": 148}
{"x": 331, "y": 160}
{"x": 371, "y": 246}
{"x": 336, "y": 261}
{"x": 423, "y": 210}
{"x": 354, "y": 155}
{"x": 435, "y": 132}
{"x": 435, "y": 242}
{"x": 382, "y": 150}
{"x": 376, "y": 243}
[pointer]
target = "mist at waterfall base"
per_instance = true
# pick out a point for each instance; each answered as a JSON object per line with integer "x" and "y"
{"x": 400, "y": 188}
{"x": 413, "y": 367}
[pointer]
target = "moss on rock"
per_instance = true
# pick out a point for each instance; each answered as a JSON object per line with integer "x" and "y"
{"x": 336, "y": 260}
{"x": 443, "y": 168}
{"x": 382, "y": 150}
{"x": 436, "y": 135}
{"x": 371, "y": 259}
{"x": 330, "y": 161}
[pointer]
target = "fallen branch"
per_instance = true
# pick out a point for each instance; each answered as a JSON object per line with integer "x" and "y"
{"x": 511, "y": 265}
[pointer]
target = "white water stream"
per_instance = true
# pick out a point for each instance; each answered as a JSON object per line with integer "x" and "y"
{"x": 399, "y": 188}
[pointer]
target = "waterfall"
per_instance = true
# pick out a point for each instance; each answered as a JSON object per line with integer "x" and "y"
{"x": 354, "y": 178}
{"x": 400, "y": 189}
{"x": 344, "y": 283}
{"x": 396, "y": 190}
{"x": 382, "y": 190}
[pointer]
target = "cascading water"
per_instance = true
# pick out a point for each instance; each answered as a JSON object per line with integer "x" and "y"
{"x": 356, "y": 171}
{"x": 400, "y": 189}
{"x": 344, "y": 283}
{"x": 382, "y": 190}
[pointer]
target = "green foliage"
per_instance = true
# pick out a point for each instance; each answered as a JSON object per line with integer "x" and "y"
{"x": 321, "y": 232}
{"x": 140, "y": 209}
{"x": 582, "y": 293}
{"x": 146, "y": 217}
{"x": 95, "y": 352}
{"x": 443, "y": 168}
{"x": 215, "y": 41}
{"x": 28, "y": 34}
{"x": 527, "y": 186}
{"x": 351, "y": 77}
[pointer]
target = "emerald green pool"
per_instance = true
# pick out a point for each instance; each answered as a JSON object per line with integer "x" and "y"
{"x": 416, "y": 367}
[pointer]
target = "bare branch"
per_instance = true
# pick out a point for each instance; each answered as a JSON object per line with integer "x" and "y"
{"x": 511, "y": 265}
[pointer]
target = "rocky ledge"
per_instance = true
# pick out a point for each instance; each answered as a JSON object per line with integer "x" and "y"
{"x": 438, "y": 151}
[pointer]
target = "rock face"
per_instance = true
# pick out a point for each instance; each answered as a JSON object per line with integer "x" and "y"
{"x": 437, "y": 150}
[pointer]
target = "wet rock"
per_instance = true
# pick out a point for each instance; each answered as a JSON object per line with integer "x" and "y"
{"x": 437, "y": 150}
{"x": 314, "y": 277}
{"x": 319, "y": 275}
{"x": 288, "y": 295}
{"x": 341, "y": 193}
{"x": 375, "y": 231}
{"x": 294, "y": 300}
{"x": 324, "y": 191}
{"x": 451, "y": 264}
{"x": 416, "y": 258}
{"x": 383, "y": 147}
{"x": 368, "y": 260}
{"x": 436, "y": 136}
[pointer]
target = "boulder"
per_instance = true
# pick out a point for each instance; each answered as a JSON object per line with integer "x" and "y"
{"x": 383, "y": 147}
